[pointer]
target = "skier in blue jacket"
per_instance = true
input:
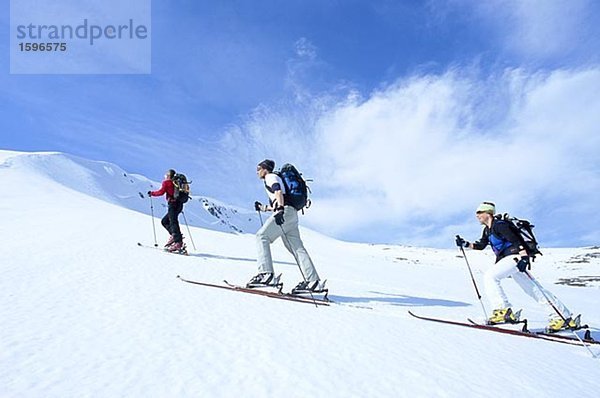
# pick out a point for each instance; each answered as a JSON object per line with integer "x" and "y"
{"x": 512, "y": 261}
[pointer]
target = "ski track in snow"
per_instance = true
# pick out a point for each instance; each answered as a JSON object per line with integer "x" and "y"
{"x": 86, "y": 312}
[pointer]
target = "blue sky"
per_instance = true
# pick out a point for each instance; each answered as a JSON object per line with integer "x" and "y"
{"x": 406, "y": 114}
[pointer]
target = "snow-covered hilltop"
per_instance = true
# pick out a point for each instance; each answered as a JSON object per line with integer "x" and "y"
{"x": 110, "y": 183}
{"x": 86, "y": 312}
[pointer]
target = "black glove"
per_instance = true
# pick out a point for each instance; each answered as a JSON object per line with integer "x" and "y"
{"x": 279, "y": 217}
{"x": 258, "y": 206}
{"x": 149, "y": 193}
{"x": 523, "y": 263}
{"x": 460, "y": 242}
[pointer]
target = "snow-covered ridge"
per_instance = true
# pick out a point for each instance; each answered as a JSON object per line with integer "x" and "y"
{"x": 110, "y": 183}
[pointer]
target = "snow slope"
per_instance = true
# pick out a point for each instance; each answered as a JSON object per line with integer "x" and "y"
{"x": 87, "y": 313}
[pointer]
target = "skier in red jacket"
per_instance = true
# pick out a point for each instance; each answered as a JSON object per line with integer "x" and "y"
{"x": 171, "y": 220}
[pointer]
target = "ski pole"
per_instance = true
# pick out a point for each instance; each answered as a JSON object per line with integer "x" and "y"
{"x": 298, "y": 264}
{"x": 541, "y": 289}
{"x": 260, "y": 217}
{"x": 473, "y": 280}
{"x": 153, "y": 227}
{"x": 188, "y": 229}
{"x": 537, "y": 284}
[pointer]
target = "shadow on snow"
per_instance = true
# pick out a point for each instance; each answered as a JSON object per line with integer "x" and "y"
{"x": 400, "y": 300}
{"x": 217, "y": 257}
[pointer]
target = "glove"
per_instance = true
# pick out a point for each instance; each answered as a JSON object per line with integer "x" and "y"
{"x": 149, "y": 193}
{"x": 460, "y": 242}
{"x": 258, "y": 206}
{"x": 279, "y": 217}
{"x": 523, "y": 263}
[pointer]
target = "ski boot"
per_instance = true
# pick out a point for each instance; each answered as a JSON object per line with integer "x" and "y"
{"x": 558, "y": 324}
{"x": 178, "y": 248}
{"x": 314, "y": 287}
{"x": 264, "y": 279}
{"x": 504, "y": 315}
{"x": 169, "y": 242}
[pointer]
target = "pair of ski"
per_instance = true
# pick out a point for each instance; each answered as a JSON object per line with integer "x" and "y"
{"x": 557, "y": 338}
{"x": 277, "y": 294}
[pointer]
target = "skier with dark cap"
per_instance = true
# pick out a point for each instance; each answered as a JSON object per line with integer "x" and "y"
{"x": 283, "y": 223}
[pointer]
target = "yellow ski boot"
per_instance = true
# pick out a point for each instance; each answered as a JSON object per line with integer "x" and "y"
{"x": 558, "y": 324}
{"x": 504, "y": 315}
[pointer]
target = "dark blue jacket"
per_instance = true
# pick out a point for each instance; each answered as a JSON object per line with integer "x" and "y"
{"x": 501, "y": 237}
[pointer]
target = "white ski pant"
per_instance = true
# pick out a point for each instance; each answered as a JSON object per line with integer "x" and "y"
{"x": 290, "y": 235}
{"x": 506, "y": 268}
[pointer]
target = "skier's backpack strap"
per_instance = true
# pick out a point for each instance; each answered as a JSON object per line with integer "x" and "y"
{"x": 268, "y": 188}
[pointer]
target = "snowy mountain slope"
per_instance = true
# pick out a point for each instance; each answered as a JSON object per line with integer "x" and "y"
{"x": 112, "y": 184}
{"x": 85, "y": 312}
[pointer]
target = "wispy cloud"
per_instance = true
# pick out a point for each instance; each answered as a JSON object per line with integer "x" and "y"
{"x": 427, "y": 149}
{"x": 531, "y": 30}
{"x": 305, "y": 49}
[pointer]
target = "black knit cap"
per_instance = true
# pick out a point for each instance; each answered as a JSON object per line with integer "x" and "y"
{"x": 267, "y": 164}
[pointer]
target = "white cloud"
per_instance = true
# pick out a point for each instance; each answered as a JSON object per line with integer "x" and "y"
{"x": 420, "y": 154}
{"x": 413, "y": 150}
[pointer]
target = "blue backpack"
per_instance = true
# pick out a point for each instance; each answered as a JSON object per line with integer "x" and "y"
{"x": 295, "y": 187}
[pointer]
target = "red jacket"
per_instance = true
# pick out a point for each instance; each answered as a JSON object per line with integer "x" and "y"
{"x": 166, "y": 187}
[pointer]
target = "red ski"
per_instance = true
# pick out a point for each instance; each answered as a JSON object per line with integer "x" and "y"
{"x": 272, "y": 294}
{"x": 533, "y": 335}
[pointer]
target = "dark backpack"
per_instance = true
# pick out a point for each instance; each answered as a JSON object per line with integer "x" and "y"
{"x": 524, "y": 230}
{"x": 182, "y": 188}
{"x": 295, "y": 187}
